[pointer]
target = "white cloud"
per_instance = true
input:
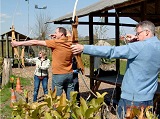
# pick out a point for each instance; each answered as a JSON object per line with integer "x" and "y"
{"x": 2, "y": 21}
{"x": 18, "y": 13}
{"x": 4, "y": 16}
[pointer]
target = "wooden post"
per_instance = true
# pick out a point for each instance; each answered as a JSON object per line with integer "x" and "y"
{"x": 117, "y": 41}
{"x": 6, "y": 47}
{"x": 18, "y": 52}
{"x": 91, "y": 41}
{"x": 2, "y": 48}
{"x": 7, "y": 71}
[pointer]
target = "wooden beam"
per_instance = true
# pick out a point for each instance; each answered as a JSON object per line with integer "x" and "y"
{"x": 91, "y": 39}
{"x": 129, "y": 4}
{"x": 143, "y": 10}
{"x": 125, "y": 15}
{"x": 97, "y": 23}
{"x": 7, "y": 47}
{"x": 2, "y": 49}
{"x": 117, "y": 41}
{"x": 157, "y": 7}
{"x": 119, "y": 14}
{"x": 106, "y": 18}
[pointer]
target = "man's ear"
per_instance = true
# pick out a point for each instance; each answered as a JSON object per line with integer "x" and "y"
{"x": 62, "y": 34}
{"x": 147, "y": 33}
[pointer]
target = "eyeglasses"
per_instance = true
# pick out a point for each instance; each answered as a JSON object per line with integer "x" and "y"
{"x": 137, "y": 34}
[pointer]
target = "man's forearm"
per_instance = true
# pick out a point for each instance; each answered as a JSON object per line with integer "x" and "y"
{"x": 28, "y": 43}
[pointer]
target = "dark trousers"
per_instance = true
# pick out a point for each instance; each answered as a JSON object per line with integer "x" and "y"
{"x": 76, "y": 85}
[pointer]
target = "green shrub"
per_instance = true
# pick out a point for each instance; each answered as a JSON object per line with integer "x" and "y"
{"x": 58, "y": 107}
{"x": 5, "y": 96}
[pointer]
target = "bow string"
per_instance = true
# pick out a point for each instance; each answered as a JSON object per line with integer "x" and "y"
{"x": 22, "y": 51}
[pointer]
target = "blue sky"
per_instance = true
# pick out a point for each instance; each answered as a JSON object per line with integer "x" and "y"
{"x": 16, "y": 11}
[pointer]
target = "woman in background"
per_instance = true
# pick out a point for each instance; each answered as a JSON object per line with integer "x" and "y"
{"x": 41, "y": 73}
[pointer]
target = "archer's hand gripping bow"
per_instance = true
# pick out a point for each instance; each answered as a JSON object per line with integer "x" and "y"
{"x": 16, "y": 54}
{"x": 74, "y": 39}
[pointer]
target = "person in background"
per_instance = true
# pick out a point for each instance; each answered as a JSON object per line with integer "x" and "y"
{"x": 40, "y": 73}
{"x": 140, "y": 80}
{"x": 62, "y": 55}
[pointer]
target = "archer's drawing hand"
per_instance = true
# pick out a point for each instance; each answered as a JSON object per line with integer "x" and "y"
{"x": 77, "y": 48}
{"x": 130, "y": 37}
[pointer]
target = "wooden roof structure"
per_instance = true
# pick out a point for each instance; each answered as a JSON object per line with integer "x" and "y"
{"x": 17, "y": 34}
{"x": 137, "y": 10}
{"x": 6, "y": 38}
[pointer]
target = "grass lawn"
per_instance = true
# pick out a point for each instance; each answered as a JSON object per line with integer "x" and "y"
{"x": 5, "y": 98}
{"x": 122, "y": 67}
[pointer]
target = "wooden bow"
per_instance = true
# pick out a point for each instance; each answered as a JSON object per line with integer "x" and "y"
{"x": 22, "y": 57}
{"x": 16, "y": 54}
{"x": 74, "y": 39}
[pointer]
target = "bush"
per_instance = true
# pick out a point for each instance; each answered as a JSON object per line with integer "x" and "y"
{"x": 58, "y": 107}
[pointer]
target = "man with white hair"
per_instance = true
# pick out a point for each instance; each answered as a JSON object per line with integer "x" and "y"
{"x": 143, "y": 65}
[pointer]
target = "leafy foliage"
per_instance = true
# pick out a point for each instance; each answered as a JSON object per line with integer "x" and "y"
{"x": 158, "y": 32}
{"x": 58, "y": 107}
{"x": 5, "y": 95}
{"x": 140, "y": 112}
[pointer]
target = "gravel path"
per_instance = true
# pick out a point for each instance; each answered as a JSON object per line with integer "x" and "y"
{"x": 28, "y": 72}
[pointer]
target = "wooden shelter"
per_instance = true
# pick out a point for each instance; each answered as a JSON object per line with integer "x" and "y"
{"x": 137, "y": 10}
{"x": 6, "y": 40}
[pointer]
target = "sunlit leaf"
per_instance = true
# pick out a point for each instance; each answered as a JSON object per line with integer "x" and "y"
{"x": 56, "y": 114}
{"x": 98, "y": 94}
{"x": 35, "y": 114}
{"x": 54, "y": 93}
{"x": 89, "y": 112}
{"x": 34, "y": 105}
{"x": 48, "y": 116}
{"x": 25, "y": 92}
{"x": 149, "y": 114}
{"x": 92, "y": 102}
{"x": 66, "y": 116}
{"x": 41, "y": 104}
{"x": 83, "y": 106}
{"x": 73, "y": 95}
{"x": 63, "y": 100}
{"x": 18, "y": 117}
{"x": 77, "y": 111}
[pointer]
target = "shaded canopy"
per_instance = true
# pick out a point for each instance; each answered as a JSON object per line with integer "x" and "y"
{"x": 9, "y": 34}
{"x": 137, "y": 10}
